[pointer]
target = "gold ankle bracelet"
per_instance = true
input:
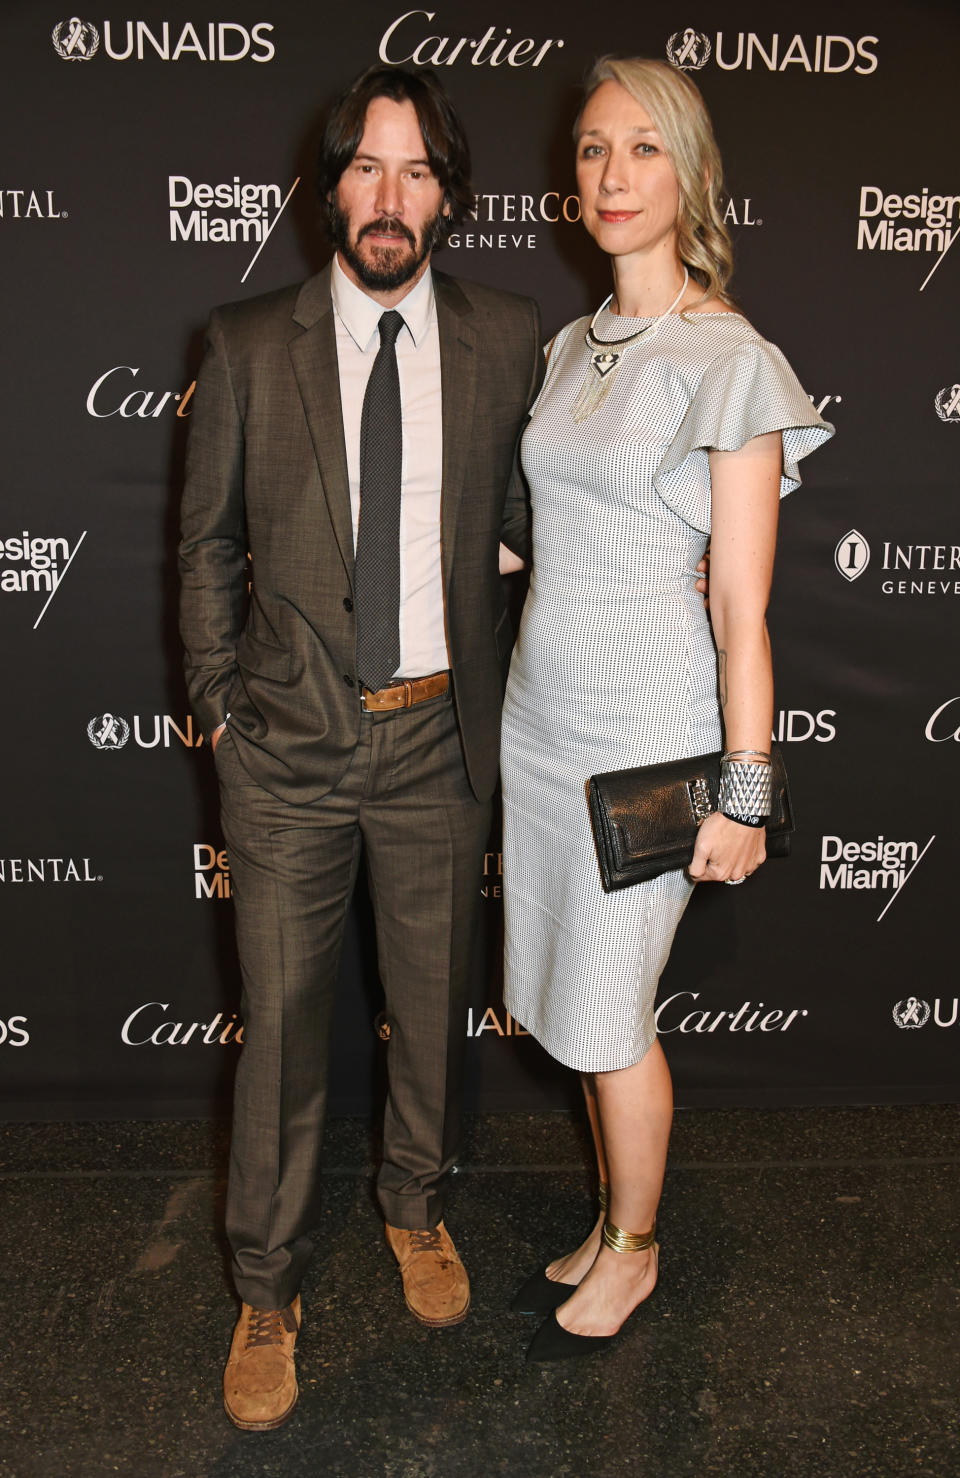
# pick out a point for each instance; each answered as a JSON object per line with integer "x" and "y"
{"x": 621, "y": 1241}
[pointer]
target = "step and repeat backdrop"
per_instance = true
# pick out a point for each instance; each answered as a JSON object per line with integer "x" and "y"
{"x": 159, "y": 159}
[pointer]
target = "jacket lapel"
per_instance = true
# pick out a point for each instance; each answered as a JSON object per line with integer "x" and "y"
{"x": 313, "y": 354}
{"x": 459, "y": 350}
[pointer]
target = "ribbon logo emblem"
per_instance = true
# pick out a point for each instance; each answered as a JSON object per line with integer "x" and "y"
{"x": 947, "y": 404}
{"x": 911, "y": 1013}
{"x": 688, "y": 50}
{"x": 108, "y": 731}
{"x": 75, "y": 40}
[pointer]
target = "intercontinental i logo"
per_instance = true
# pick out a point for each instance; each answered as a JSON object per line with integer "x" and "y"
{"x": 408, "y": 39}
{"x": 690, "y": 50}
{"x": 29, "y": 205}
{"x": 674, "y": 1015}
{"x": 35, "y": 564}
{"x": 852, "y": 555}
{"x": 77, "y": 40}
{"x": 142, "y": 1028}
{"x": 109, "y": 731}
{"x": 877, "y": 865}
{"x": 211, "y": 872}
{"x": 947, "y": 404}
{"x": 904, "y": 569}
{"x": 48, "y": 870}
{"x": 912, "y": 1013}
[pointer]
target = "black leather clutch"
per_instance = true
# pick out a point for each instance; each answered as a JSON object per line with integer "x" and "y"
{"x": 645, "y": 820}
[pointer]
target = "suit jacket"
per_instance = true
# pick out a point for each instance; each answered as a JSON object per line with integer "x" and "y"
{"x": 267, "y": 474}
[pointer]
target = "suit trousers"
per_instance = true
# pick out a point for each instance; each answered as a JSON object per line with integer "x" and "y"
{"x": 406, "y": 804}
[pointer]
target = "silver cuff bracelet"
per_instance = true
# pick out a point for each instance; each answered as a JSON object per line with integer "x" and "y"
{"x": 746, "y": 791}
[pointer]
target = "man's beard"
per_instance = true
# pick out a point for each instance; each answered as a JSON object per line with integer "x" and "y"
{"x": 387, "y": 269}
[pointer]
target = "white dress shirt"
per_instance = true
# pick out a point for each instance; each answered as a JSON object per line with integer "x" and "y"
{"x": 423, "y": 644}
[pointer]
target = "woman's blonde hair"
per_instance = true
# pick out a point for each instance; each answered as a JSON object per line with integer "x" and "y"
{"x": 682, "y": 121}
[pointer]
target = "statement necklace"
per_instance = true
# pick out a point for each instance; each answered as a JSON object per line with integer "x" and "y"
{"x": 606, "y": 354}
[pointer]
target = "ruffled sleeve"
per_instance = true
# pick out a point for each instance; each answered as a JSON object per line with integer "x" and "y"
{"x": 745, "y": 392}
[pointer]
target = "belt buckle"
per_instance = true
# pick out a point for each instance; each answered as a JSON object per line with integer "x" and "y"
{"x": 407, "y": 696}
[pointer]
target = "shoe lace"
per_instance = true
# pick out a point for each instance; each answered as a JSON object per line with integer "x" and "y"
{"x": 425, "y": 1239}
{"x": 267, "y": 1326}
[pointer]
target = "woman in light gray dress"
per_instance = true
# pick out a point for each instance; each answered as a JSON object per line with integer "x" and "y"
{"x": 664, "y": 421}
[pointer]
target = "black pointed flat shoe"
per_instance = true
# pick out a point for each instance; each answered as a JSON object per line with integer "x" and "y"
{"x": 541, "y": 1295}
{"x": 553, "y": 1342}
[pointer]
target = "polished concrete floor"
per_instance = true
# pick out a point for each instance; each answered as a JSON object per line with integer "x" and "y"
{"x": 805, "y": 1323}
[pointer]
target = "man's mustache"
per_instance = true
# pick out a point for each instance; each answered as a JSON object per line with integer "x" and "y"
{"x": 386, "y": 226}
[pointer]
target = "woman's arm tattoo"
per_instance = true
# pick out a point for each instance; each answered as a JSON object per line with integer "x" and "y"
{"x": 722, "y": 676}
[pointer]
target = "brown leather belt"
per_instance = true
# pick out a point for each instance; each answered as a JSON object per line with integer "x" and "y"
{"x": 405, "y": 692}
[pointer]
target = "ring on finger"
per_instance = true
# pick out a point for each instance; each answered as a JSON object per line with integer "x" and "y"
{"x": 734, "y": 882}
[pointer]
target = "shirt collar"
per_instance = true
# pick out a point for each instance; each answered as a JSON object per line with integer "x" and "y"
{"x": 360, "y": 314}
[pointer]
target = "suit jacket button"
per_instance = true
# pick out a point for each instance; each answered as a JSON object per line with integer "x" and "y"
{"x": 348, "y": 680}
{"x": 347, "y": 604}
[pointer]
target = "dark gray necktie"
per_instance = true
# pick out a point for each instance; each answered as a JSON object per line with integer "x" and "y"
{"x": 377, "y": 569}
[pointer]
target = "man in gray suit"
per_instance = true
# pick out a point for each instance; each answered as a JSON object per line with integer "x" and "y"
{"x": 357, "y": 437}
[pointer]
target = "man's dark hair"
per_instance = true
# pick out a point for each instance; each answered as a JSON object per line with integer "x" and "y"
{"x": 445, "y": 142}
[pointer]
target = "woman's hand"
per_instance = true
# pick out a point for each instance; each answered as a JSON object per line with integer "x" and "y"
{"x": 727, "y": 850}
{"x": 702, "y": 583}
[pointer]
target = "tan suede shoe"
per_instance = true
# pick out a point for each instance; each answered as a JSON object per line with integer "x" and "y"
{"x": 435, "y": 1282}
{"x": 260, "y": 1381}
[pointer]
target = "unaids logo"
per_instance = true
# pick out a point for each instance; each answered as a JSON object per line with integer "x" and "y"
{"x": 75, "y": 40}
{"x": 108, "y": 731}
{"x": 776, "y": 51}
{"x": 911, "y": 1013}
{"x": 852, "y": 555}
{"x": 689, "y": 50}
{"x": 947, "y": 404}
